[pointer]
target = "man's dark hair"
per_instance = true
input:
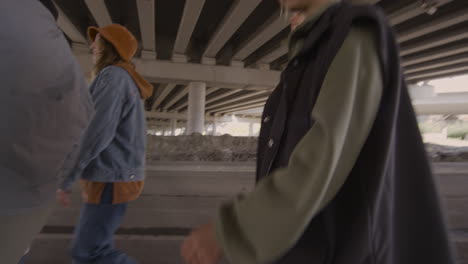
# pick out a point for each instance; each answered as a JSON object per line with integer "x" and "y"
{"x": 50, "y": 5}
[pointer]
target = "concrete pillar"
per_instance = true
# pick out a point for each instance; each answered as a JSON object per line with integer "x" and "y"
{"x": 215, "y": 125}
{"x": 173, "y": 126}
{"x": 196, "y": 108}
{"x": 163, "y": 130}
{"x": 251, "y": 127}
{"x": 424, "y": 91}
{"x": 213, "y": 129}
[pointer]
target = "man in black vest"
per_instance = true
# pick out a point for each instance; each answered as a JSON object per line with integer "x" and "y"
{"x": 343, "y": 174}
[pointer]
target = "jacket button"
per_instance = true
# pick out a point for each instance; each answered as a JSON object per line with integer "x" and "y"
{"x": 132, "y": 177}
{"x": 271, "y": 143}
{"x": 266, "y": 119}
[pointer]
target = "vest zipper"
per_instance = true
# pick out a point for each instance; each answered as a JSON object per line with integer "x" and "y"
{"x": 276, "y": 151}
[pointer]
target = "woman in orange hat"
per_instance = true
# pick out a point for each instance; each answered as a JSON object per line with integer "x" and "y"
{"x": 111, "y": 158}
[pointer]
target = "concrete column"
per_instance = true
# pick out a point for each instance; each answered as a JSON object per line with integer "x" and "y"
{"x": 215, "y": 125}
{"x": 424, "y": 91}
{"x": 173, "y": 126}
{"x": 251, "y": 127}
{"x": 213, "y": 128}
{"x": 196, "y": 108}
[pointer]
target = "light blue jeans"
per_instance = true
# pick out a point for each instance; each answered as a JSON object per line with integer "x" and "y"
{"x": 93, "y": 239}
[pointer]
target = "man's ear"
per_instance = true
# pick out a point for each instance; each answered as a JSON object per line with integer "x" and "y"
{"x": 50, "y": 5}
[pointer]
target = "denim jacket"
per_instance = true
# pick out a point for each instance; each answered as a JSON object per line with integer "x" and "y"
{"x": 113, "y": 147}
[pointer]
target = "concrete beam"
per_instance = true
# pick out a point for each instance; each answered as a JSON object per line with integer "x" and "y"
{"x": 452, "y": 60}
{"x": 275, "y": 54}
{"x": 99, "y": 11}
{"x": 211, "y": 90}
{"x": 237, "y": 105}
{"x": 257, "y": 112}
{"x": 151, "y": 124}
{"x": 166, "y": 91}
{"x": 439, "y": 71}
{"x": 284, "y": 65}
{"x": 436, "y": 41}
{"x": 68, "y": 27}
{"x": 242, "y": 108}
{"x": 263, "y": 66}
{"x": 441, "y": 107}
{"x": 364, "y": 2}
{"x": 230, "y": 118}
{"x": 208, "y": 92}
{"x": 420, "y": 92}
{"x": 146, "y": 15}
{"x": 435, "y": 54}
{"x": 413, "y": 10}
{"x": 439, "y": 76}
{"x": 192, "y": 11}
{"x": 223, "y": 95}
{"x": 270, "y": 29}
{"x": 176, "y": 98}
{"x": 453, "y": 96}
{"x": 208, "y": 118}
{"x": 405, "y": 13}
{"x": 239, "y": 12}
{"x": 166, "y": 115}
{"x": 434, "y": 25}
{"x": 237, "y": 99}
{"x": 184, "y": 73}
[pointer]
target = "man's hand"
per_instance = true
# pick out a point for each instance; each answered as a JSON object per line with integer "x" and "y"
{"x": 63, "y": 198}
{"x": 201, "y": 247}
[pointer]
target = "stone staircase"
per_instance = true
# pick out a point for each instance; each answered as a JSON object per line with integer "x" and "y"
{"x": 182, "y": 195}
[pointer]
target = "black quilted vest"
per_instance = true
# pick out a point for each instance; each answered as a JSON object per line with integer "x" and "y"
{"x": 388, "y": 210}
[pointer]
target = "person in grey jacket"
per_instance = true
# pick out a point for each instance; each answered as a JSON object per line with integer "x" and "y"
{"x": 45, "y": 107}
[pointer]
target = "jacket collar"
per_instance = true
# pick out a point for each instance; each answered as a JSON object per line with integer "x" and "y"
{"x": 146, "y": 89}
{"x": 298, "y": 37}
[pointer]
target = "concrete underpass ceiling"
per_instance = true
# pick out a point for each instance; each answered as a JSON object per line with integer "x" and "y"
{"x": 238, "y": 46}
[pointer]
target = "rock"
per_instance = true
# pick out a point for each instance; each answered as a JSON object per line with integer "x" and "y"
{"x": 201, "y": 148}
{"x": 439, "y": 153}
{"x": 244, "y": 149}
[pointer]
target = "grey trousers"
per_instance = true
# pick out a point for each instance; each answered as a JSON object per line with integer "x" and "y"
{"x": 18, "y": 231}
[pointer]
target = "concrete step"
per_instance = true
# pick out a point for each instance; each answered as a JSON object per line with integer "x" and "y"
{"x": 181, "y": 166}
{"x": 457, "y": 212}
{"x": 206, "y": 183}
{"x": 453, "y": 185}
{"x": 450, "y": 168}
{"x": 186, "y": 212}
{"x": 460, "y": 238}
{"x": 180, "y": 196}
{"x": 186, "y": 199}
{"x": 54, "y": 249}
{"x": 153, "y": 211}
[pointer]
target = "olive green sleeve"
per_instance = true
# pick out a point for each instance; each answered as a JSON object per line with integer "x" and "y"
{"x": 265, "y": 224}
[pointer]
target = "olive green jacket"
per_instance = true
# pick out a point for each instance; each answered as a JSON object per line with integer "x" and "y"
{"x": 264, "y": 225}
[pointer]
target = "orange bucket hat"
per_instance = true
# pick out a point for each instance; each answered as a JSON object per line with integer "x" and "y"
{"x": 120, "y": 37}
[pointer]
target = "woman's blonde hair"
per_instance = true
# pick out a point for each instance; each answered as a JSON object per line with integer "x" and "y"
{"x": 109, "y": 56}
